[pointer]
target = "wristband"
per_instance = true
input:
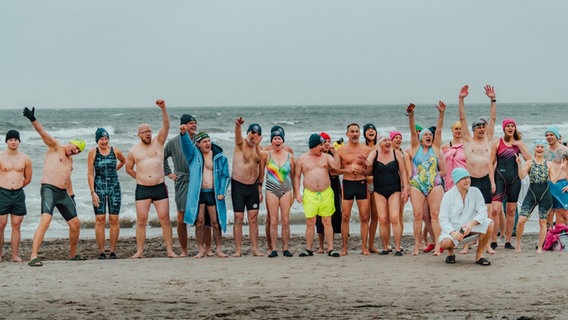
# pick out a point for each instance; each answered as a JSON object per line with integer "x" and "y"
{"x": 493, "y": 100}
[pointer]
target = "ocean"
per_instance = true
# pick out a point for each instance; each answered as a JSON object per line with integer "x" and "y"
{"x": 298, "y": 121}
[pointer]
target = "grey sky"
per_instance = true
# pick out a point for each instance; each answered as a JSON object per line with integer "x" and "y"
{"x": 209, "y": 53}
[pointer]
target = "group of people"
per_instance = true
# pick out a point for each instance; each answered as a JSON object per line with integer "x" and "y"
{"x": 463, "y": 191}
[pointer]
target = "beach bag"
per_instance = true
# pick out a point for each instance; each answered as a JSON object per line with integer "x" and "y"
{"x": 550, "y": 240}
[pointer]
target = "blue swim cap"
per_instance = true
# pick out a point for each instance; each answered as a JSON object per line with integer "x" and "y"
{"x": 458, "y": 174}
{"x": 554, "y": 130}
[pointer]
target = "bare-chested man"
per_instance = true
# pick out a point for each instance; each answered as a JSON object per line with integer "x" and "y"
{"x": 15, "y": 174}
{"x": 553, "y": 155}
{"x": 353, "y": 169}
{"x": 318, "y": 196}
{"x": 477, "y": 146}
{"x": 145, "y": 163}
{"x": 246, "y": 183}
{"x": 56, "y": 189}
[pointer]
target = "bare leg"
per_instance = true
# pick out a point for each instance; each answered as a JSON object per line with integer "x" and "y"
{"x": 207, "y": 237}
{"x": 417, "y": 199}
{"x": 285, "y": 217}
{"x": 346, "y": 206}
{"x": 541, "y": 234}
{"x": 393, "y": 211}
{"x": 384, "y": 221}
{"x": 496, "y": 213}
{"x": 200, "y": 230}
{"x": 310, "y": 225}
{"x": 253, "y": 229}
{"x": 374, "y": 223}
{"x": 216, "y": 228}
{"x": 44, "y": 222}
{"x": 163, "y": 212}
{"x": 328, "y": 232}
{"x": 272, "y": 204}
{"x": 16, "y": 222}
{"x": 182, "y": 233}
{"x": 268, "y": 227}
{"x": 434, "y": 201}
{"x": 363, "y": 206}
{"x": 520, "y": 230}
{"x": 238, "y": 233}
{"x": 3, "y": 223}
{"x": 510, "y": 220}
{"x": 142, "y": 210}
{"x": 114, "y": 231}
{"x": 100, "y": 222}
{"x": 483, "y": 240}
{"x": 74, "y": 229}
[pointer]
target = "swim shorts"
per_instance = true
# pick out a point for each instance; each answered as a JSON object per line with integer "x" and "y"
{"x": 207, "y": 197}
{"x": 484, "y": 185}
{"x": 354, "y": 189}
{"x": 155, "y": 192}
{"x": 319, "y": 203}
{"x": 12, "y": 202}
{"x": 53, "y": 197}
{"x": 244, "y": 195}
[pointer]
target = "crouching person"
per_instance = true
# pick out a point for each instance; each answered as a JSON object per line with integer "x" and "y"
{"x": 463, "y": 218}
{"x": 208, "y": 184}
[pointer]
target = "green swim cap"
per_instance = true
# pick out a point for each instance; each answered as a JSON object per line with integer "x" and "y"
{"x": 80, "y": 143}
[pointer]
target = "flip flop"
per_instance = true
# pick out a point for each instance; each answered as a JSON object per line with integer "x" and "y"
{"x": 287, "y": 253}
{"x": 398, "y": 253}
{"x": 273, "y": 254}
{"x": 384, "y": 252}
{"x": 483, "y": 262}
{"x": 36, "y": 262}
{"x": 451, "y": 259}
{"x": 333, "y": 253}
{"x": 306, "y": 253}
{"x": 113, "y": 255}
{"x": 78, "y": 257}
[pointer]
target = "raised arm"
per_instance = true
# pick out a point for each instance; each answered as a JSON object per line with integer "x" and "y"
{"x": 187, "y": 147}
{"x": 438, "y": 134}
{"x": 523, "y": 170}
{"x": 163, "y": 133}
{"x": 47, "y": 139}
{"x": 461, "y": 109}
{"x": 238, "y": 131}
{"x": 414, "y": 142}
{"x": 490, "y": 92}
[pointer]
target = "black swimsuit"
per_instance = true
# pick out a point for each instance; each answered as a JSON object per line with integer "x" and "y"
{"x": 386, "y": 178}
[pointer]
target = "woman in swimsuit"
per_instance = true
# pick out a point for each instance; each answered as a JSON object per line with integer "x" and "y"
{"x": 425, "y": 180}
{"x": 370, "y": 135}
{"x": 279, "y": 195}
{"x": 396, "y": 141}
{"x": 390, "y": 186}
{"x": 505, "y": 182}
{"x": 538, "y": 194}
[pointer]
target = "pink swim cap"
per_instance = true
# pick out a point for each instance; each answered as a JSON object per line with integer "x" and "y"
{"x": 394, "y": 133}
{"x": 507, "y": 121}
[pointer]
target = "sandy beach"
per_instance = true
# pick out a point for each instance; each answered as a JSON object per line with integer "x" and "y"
{"x": 319, "y": 287}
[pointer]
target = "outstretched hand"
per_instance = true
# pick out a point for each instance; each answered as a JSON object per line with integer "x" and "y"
{"x": 29, "y": 114}
{"x": 161, "y": 103}
{"x": 441, "y": 106}
{"x": 490, "y": 91}
{"x": 182, "y": 129}
{"x": 239, "y": 121}
{"x": 464, "y": 91}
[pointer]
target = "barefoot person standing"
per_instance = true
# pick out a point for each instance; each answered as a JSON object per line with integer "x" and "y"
{"x": 15, "y": 174}
{"x": 145, "y": 163}
{"x": 56, "y": 189}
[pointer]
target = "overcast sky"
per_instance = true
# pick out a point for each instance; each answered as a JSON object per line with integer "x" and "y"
{"x": 221, "y": 53}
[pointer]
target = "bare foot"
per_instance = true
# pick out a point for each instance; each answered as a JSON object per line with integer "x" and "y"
{"x": 237, "y": 254}
{"x": 464, "y": 250}
{"x": 17, "y": 259}
{"x": 210, "y": 253}
{"x": 137, "y": 256}
{"x": 172, "y": 255}
{"x": 365, "y": 251}
{"x": 539, "y": 251}
{"x": 343, "y": 252}
{"x": 257, "y": 253}
{"x": 416, "y": 251}
{"x": 490, "y": 251}
{"x": 220, "y": 254}
{"x": 183, "y": 254}
{"x": 320, "y": 251}
{"x": 374, "y": 250}
{"x": 200, "y": 255}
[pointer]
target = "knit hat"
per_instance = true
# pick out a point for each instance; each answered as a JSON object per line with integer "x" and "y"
{"x": 458, "y": 174}
{"x": 395, "y": 133}
{"x": 325, "y": 136}
{"x": 507, "y": 121}
{"x": 101, "y": 132}
{"x": 418, "y": 127}
{"x": 315, "y": 140}
{"x": 80, "y": 143}
{"x": 200, "y": 136}
{"x": 187, "y": 118}
{"x": 554, "y": 130}
{"x": 255, "y": 128}
{"x": 277, "y": 131}
{"x": 13, "y": 134}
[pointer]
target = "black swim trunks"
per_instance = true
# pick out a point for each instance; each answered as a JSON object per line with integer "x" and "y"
{"x": 484, "y": 185}
{"x": 354, "y": 189}
{"x": 53, "y": 197}
{"x": 12, "y": 202}
{"x": 207, "y": 197}
{"x": 155, "y": 193}
{"x": 244, "y": 195}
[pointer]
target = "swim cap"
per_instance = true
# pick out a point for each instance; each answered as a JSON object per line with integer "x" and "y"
{"x": 539, "y": 142}
{"x": 554, "y": 130}
{"x": 186, "y": 118}
{"x": 13, "y": 134}
{"x": 277, "y": 131}
{"x": 395, "y": 133}
{"x": 507, "y": 121}
{"x": 456, "y": 124}
{"x": 315, "y": 140}
{"x": 367, "y": 127}
{"x": 422, "y": 134}
{"x": 80, "y": 143}
{"x": 418, "y": 127}
{"x": 325, "y": 136}
{"x": 200, "y": 136}
{"x": 478, "y": 122}
{"x": 382, "y": 135}
{"x": 458, "y": 174}
{"x": 255, "y": 128}
{"x": 433, "y": 130}
{"x": 101, "y": 132}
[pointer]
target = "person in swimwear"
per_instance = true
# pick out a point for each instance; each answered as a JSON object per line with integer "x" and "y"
{"x": 56, "y": 189}
{"x": 505, "y": 181}
{"x": 553, "y": 154}
{"x": 477, "y": 147}
{"x": 390, "y": 185}
{"x": 103, "y": 163}
{"x": 145, "y": 163}
{"x": 537, "y": 195}
{"x": 425, "y": 180}
{"x": 337, "y": 195}
{"x": 354, "y": 171}
{"x": 371, "y": 139}
{"x": 15, "y": 174}
{"x": 279, "y": 172}
{"x": 454, "y": 154}
{"x": 396, "y": 140}
{"x": 317, "y": 197}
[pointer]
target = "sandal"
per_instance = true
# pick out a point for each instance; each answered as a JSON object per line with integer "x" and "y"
{"x": 287, "y": 253}
{"x": 113, "y": 255}
{"x": 78, "y": 257}
{"x": 384, "y": 252}
{"x": 451, "y": 259}
{"x": 333, "y": 253}
{"x": 273, "y": 254}
{"x": 306, "y": 253}
{"x": 102, "y": 256}
{"x": 35, "y": 262}
{"x": 483, "y": 262}
{"x": 398, "y": 253}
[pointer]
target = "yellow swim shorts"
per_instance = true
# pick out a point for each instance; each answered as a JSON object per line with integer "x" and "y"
{"x": 318, "y": 203}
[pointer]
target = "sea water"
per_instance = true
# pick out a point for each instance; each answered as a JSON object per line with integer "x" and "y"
{"x": 298, "y": 121}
